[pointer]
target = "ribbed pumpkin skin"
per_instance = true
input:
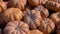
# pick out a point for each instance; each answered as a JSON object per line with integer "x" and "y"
{"x": 53, "y": 6}
{"x": 36, "y": 2}
{"x": 16, "y": 27}
{"x": 55, "y": 17}
{"x": 3, "y": 6}
{"x": 12, "y": 14}
{"x": 36, "y": 32}
{"x": 33, "y": 18}
{"x": 43, "y": 11}
{"x": 55, "y": 1}
{"x": 17, "y": 3}
{"x": 47, "y": 26}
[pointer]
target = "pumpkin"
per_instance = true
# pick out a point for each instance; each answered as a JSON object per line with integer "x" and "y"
{"x": 55, "y": 17}
{"x": 0, "y": 31}
{"x": 17, "y": 27}
{"x": 43, "y": 11}
{"x": 47, "y": 26}
{"x": 58, "y": 1}
{"x": 3, "y": 6}
{"x": 36, "y": 32}
{"x": 17, "y": 3}
{"x": 53, "y": 6}
{"x": 12, "y": 14}
{"x": 36, "y": 2}
{"x": 33, "y": 18}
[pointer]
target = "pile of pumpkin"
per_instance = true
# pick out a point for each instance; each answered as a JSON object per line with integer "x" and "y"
{"x": 29, "y": 16}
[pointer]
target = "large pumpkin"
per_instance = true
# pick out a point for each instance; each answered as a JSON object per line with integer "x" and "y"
{"x": 36, "y": 2}
{"x": 17, "y": 27}
{"x": 36, "y": 32}
{"x": 3, "y": 6}
{"x": 55, "y": 17}
{"x": 43, "y": 11}
{"x": 33, "y": 18}
{"x": 53, "y": 6}
{"x": 47, "y": 26}
{"x": 17, "y": 3}
{"x": 12, "y": 14}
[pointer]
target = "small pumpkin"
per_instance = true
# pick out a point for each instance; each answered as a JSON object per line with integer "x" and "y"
{"x": 55, "y": 17}
{"x": 36, "y": 32}
{"x": 47, "y": 26}
{"x": 17, "y": 3}
{"x": 53, "y": 6}
{"x": 43, "y": 11}
{"x": 12, "y": 14}
{"x": 17, "y": 27}
{"x": 33, "y": 18}
{"x": 3, "y": 6}
{"x": 36, "y": 2}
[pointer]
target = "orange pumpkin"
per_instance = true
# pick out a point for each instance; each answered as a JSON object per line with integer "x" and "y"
{"x": 55, "y": 17}
{"x": 36, "y": 32}
{"x": 47, "y": 26}
{"x": 53, "y": 6}
{"x": 36, "y": 2}
{"x": 17, "y": 3}
{"x": 43, "y": 11}
{"x": 33, "y": 18}
{"x": 58, "y": 1}
{"x": 12, "y": 14}
{"x": 3, "y": 6}
{"x": 17, "y": 27}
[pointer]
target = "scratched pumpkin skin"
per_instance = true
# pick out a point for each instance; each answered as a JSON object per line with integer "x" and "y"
{"x": 55, "y": 17}
{"x": 33, "y": 18}
{"x": 12, "y": 14}
{"x": 47, "y": 26}
{"x": 17, "y": 27}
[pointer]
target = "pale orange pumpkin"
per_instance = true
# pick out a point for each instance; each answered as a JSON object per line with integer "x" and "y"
{"x": 33, "y": 18}
{"x": 17, "y": 27}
